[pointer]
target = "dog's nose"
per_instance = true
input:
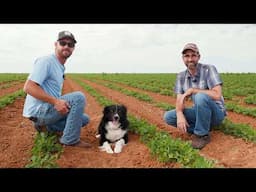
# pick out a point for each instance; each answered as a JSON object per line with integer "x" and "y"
{"x": 116, "y": 117}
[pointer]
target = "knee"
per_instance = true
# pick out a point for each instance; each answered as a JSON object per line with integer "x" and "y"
{"x": 166, "y": 116}
{"x": 170, "y": 117}
{"x": 80, "y": 97}
{"x": 201, "y": 98}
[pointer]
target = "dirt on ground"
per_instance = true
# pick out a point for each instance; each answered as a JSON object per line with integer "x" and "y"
{"x": 17, "y": 137}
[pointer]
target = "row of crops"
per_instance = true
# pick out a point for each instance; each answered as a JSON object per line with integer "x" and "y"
{"x": 228, "y": 127}
{"x": 238, "y": 89}
{"x": 234, "y": 84}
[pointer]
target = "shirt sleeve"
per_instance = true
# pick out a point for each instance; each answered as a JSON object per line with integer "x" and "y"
{"x": 179, "y": 82}
{"x": 40, "y": 71}
{"x": 213, "y": 77}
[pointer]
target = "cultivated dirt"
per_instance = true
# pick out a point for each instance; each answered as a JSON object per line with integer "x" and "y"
{"x": 17, "y": 136}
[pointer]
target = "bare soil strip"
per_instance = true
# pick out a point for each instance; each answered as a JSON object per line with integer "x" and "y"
{"x": 16, "y": 136}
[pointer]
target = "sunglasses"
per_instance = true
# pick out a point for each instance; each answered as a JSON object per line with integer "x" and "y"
{"x": 64, "y": 43}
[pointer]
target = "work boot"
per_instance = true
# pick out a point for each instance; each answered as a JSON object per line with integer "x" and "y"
{"x": 198, "y": 142}
{"x": 80, "y": 144}
{"x": 40, "y": 128}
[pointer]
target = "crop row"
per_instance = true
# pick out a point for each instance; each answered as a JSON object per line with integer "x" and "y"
{"x": 160, "y": 143}
{"x": 240, "y": 130}
{"x": 234, "y": 85}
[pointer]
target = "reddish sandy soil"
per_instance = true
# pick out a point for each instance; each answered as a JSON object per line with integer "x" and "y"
{"x": 17, "y": 136}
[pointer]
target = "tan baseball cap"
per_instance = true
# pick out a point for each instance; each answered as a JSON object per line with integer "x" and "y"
{"x": 190, "y": 46}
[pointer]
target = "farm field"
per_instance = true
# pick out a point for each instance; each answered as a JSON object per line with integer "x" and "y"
{"x": 146, "y": 97}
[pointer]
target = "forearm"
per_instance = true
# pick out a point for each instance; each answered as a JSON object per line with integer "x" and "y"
{"x": 211, "y": 93}
{"x": 181, "y": 119}
{"x": 179, "y": 108}
{"x": 36, "y": 91}
{"x": 179, "y": 104}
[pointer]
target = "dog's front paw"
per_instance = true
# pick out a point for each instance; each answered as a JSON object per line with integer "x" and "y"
{"x": 118, "y": 149}
{"x": 109, "y": 151}
{"x": 119, "y": 145}
{"x": 106, "y": 147}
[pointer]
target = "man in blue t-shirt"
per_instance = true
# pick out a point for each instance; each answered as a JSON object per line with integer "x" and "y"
{"x": 203, "y": 84}
{"x": 44, "y": 104}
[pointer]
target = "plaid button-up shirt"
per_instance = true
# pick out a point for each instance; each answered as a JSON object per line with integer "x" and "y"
{"x": 206, "y": 77}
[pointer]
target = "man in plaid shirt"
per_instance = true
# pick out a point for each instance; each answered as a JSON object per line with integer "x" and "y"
{"x": 202, "y": 83}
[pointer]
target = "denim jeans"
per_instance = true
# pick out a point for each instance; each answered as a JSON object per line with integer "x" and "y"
{"x": 204, "y": 114}
{"x": 70, "y": 123}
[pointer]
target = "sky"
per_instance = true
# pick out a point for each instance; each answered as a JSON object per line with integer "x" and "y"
{"x": 130, "y": 48}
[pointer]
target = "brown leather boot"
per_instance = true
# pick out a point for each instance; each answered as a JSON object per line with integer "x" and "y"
{"x": 40, "y": 128}
{"x": 81, "y": 144}
{"x": 198, "y": 142}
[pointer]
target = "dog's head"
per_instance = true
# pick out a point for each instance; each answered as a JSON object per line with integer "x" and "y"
{"x": 115, "y": 113}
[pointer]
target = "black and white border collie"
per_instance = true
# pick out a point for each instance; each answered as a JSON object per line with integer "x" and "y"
{"x": 113, "y": 128}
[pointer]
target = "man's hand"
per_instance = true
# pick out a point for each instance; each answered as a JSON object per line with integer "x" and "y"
{"x": 188, "y": 93}
{"x": 182, "y": 123}
{"x": 62, "y": 106}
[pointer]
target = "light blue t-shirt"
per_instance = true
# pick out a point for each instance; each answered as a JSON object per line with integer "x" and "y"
{"x": 48, "y": 72}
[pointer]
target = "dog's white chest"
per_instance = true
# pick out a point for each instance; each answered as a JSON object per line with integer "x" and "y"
{"x": 114, "y": 132}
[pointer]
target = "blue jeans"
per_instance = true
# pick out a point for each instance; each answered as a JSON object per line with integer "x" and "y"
{"x": 70, "y": 123}
{"x": 204, "y": 114}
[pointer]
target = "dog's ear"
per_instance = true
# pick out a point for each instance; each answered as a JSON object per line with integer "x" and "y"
{"x": 105, "y": 110}
{"x": 124, "y": 109}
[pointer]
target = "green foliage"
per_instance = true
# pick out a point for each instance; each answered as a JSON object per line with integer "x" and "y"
{"x": 239, "y": 109}
{"x": 182, "y": 152}
{"x": 142, "y": 128}
{"x": 166, "y": 148}
{"x": 138, "y": 95}
{"x": 165, "y": 92}
{"x": 46, "y": 151}
{"x": 238, "y": 130}
{"x": 10, "y": 77}
{"x": 102, "y": 100}
{"x": 8, "y": 99}
{"x": 165, "y": 106}
{"x": 251, "y": 99}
